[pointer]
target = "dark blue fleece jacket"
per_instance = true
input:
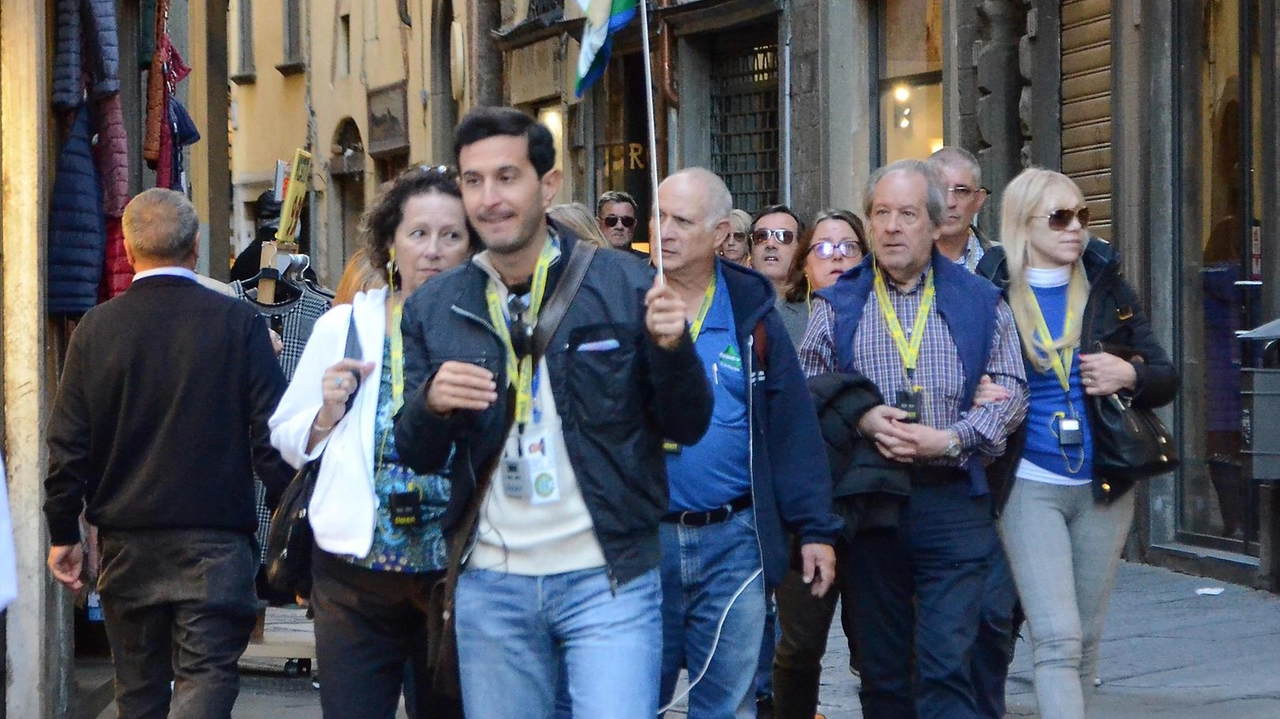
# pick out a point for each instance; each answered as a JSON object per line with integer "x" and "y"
{"x": 790, "y": 475}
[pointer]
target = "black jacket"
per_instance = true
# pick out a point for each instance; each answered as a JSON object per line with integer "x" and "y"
{"x": 1113, "y": 322}
{"x": 161, "y": 411}
{"x": 791, "y": 492}
{"x": 869, "y": 488}
{"x": 615, "y": 406}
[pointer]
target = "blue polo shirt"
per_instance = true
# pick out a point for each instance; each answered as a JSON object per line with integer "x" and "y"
{"x": 716, "y": 470}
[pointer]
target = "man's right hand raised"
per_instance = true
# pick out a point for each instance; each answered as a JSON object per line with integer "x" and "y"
{"x": 461, "y": 385}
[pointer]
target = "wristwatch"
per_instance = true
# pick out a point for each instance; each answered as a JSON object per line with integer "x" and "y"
{"x": 953, "y": 447}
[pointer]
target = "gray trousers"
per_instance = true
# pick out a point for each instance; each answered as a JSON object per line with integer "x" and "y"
{"x": 178, "y": 606}
{"x": 1064, "y": 549}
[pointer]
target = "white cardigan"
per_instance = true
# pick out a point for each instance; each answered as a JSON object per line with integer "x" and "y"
{"x": 344, "y": 505}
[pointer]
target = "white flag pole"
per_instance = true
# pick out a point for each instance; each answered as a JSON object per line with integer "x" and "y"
{"x": 655, "y": 241}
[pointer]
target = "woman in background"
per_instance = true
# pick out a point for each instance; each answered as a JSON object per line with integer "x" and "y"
{"x": 379, "y": 544}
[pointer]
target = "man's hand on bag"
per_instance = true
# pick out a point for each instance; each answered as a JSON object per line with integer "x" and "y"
{"x": 907, "y": 442}
{"x": 461, "y": 385}
{"x": 819, "y": 567}
{"x": 664, "y": 315}
{"x": 66, "y": 562}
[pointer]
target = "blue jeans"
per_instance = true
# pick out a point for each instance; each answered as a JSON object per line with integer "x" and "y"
{"x": 515, "y": 633}
{"x": 917, "y": 592}
{"x": 702, "y": 569}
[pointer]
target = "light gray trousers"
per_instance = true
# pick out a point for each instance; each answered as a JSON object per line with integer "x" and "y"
{"x": 1064, "y": 549}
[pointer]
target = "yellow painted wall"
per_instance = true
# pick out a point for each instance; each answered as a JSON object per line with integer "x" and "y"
{"x": 268, "y": 117}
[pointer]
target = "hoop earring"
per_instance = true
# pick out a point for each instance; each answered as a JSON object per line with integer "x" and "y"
{"x": 391, "y": 269}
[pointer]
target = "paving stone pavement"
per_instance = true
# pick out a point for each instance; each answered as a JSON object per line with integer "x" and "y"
{"x": 1167, "y": 653}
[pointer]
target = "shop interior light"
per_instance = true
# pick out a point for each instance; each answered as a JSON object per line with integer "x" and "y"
{"x": 901, "y": 93}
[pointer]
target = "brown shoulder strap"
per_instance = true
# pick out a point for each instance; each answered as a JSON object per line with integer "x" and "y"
{"x": 553, "y": 311}
{"x": 548, "y": 321}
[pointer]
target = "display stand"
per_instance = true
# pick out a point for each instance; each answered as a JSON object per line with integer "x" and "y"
{"x": 297, "y": 648}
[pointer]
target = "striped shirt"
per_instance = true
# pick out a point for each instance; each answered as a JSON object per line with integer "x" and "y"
{"x": 939, "y": 371}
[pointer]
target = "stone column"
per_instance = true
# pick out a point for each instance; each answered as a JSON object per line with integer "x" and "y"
{"x": 38, "y": 642}
{"x": 999, "y": 84}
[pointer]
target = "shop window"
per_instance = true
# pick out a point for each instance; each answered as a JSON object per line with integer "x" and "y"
{"x": 909, "y": 77}
{"x": 1221, "y": 256}
{"x": 744, "y": 116}
{"x": 621, "y": 152}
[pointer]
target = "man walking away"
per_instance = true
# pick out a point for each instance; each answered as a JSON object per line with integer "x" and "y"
{"x": 160, "y": 418}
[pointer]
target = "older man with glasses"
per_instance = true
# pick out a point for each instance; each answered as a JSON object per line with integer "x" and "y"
{"x": 960, "y": 240}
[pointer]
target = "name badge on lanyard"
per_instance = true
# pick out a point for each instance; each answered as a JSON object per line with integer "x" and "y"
{"x": 529, "y": 467}
{"x": 909, "y": 399}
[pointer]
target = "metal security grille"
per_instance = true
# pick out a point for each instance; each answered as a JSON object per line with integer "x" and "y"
{"x": 744, "y": 119}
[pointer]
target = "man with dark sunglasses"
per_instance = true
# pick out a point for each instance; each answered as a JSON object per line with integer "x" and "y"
{"x": 616, "y": 212}
{"x": 773, "y": 245}
{"x": 560, "y": 590}
{"x": 751, "y": 481}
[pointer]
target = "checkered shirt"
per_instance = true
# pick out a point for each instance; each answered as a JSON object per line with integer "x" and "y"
{"x": 938, "y": 370}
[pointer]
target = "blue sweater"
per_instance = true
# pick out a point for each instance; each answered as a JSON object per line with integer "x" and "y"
{"x": 1047, "y": 398}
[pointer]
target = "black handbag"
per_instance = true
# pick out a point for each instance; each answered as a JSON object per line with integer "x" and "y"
{"x": 1129, "y": 441}
{"x": 289, "y": 538}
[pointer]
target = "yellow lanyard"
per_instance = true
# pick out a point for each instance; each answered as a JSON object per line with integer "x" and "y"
{"x": 1061, "y": 361}
{"x": 908, "y": 350}
{"x": 696, "y": 329}
{"x": 520, "y": 371}
{"x": 397, "y": 355}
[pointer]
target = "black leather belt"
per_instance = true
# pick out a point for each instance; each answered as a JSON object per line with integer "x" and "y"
{"x": 711, "y": 516}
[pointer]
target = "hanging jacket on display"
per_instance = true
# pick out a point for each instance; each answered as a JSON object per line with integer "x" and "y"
{"x": 86, "y": 41}
{"x": 77, "y": 230}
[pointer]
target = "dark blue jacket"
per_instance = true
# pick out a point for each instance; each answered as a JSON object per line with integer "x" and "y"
{"x": 77, "y": 227}
{"x": 615, "y": 406}
{"x": 965, "y": 302}
{"x": 790, "y": 477}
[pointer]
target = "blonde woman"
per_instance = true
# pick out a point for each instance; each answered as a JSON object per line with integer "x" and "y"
{"x": 1083, "y": 334}
{"x": 737, "y": 244}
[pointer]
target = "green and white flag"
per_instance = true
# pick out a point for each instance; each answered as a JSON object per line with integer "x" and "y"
{"x": 604, "y": 18}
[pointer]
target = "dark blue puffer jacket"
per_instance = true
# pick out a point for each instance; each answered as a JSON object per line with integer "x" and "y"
{"x": 77, "y": 229}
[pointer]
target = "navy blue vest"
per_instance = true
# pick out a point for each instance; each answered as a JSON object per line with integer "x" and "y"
{"x": 966, "y": 303}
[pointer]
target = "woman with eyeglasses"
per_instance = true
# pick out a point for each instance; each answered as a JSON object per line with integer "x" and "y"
{"x": 737, "y": 245}
{"x": 1084, "y": 335}
{"x": 379, "y": 546}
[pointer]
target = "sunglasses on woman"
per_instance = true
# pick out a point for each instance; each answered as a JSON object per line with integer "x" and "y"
{"x": 826, "y": 249}
{"x": 1060, "y": 220}
{"x": 613, "y": 220}
{"x": 782, "y": 237}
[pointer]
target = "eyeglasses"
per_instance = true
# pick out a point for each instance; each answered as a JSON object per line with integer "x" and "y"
{"x": 826, "y": 249}
{"x": 739, "y": 236}
{"x": 521, "y": 331}
{"x": 1060, "y": 219}
{"x": 964, "y": 192}
{"x": 782, "y": 237}
{"x": 626, "y": 220}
